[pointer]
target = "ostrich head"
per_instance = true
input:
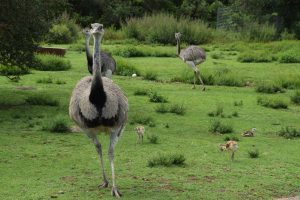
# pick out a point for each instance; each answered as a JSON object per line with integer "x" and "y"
{"x": 253, "y": 130}
{"x": 97, "y": 30}
{"x": 177, "y": 36}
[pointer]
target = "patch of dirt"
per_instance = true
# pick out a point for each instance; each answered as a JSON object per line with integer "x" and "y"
{"x": 25, "y": 88}
{"x": 193, "y": 179}
{"x": 209, "y": 179}
{"x": 69, "y": 179}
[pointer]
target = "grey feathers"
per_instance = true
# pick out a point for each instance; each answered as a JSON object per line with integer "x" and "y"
{"x": 193, "y": 53}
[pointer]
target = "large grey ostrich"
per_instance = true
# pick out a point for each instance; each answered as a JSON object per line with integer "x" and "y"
{"x": 98, "y": 105}
{"x": 192, "y": 56}
{"x": 108, "y": 64}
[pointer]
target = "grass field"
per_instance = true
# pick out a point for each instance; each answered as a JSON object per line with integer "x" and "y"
{"x": 37, "y": 164}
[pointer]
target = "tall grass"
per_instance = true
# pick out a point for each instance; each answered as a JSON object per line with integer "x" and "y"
{"x": 51, "y": 63}
{"x": 160, "y": 28}
{"x": 272, "y": 102}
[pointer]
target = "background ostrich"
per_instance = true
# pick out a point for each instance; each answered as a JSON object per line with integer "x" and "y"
{"x": 249, "y": 133}
{"x": 230, "y": 146}
{"x": 97, "y": 104}
{"x": 140, "y": 130}
{"x": 108, "y": 64}
{"x": 192, "y": 56}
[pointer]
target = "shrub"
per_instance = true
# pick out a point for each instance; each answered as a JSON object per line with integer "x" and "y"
{"x": 59, "y": 34}
{"x": 57, "y": 125}
{"x": 13, "y": 70}
{"x": 42, "y": 99}
{"x": 253, "y": 31}
{"x": 162, "y": 108}
{"x": 167, "y": 160}
{"x": 60, "y": 82}
{"x": 157, "y": 98}
{"x": 290, "y": 57}
{"x": 289, "y": 133}
{"x": 269, "y": 88}
{"x": 126, "y": 69}
{"x": 129, "y": 51}
{"x": 45, "y": 80}
{"x": 178, "y": 109}
{"x": 51, "y": 63}
{"x": 217, "y": 127}
{"x": 272, "y": 102}
{"x": 141, "y": 92}
{"x": 234, "y": 138}
{"x": 253, "y": 153}
{"x": 296, "y": 98}
{"x": 255, "y": 57}
{"x": 144, "y": 120}
{"x": 151, "y": 76}
{"x": 238, "y": 103}
{"x": 153, "y": 139}
{"x": 235, "y": 114}
{"x": 217, "y": 112}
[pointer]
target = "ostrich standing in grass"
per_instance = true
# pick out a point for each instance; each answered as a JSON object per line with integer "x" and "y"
{"x": 108, "y": 64}
{"x": 192, "y": 56}
{"x": 97, "y": 104}
{"x": 230, "y": 146}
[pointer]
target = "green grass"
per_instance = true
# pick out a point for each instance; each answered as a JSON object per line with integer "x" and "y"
{"x": 36, "y": 164}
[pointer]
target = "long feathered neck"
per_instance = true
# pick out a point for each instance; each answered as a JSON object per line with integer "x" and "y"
{"x": 89, "y": 56}
{"x": 97, "y": 95}
{"x": 178, "y": 47}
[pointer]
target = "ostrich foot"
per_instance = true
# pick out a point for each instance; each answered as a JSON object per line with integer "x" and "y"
{"x": 115, "y": 192}
{"x": 104, "y": 184}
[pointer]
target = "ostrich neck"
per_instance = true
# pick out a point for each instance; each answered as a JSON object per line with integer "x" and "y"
{"x": 87, "y": 46}
{"x": 178, "y": 47}
{"x": 97, "y": 94}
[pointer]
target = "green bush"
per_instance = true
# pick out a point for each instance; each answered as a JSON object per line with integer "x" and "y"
{"x": 178, "y": 109}
{"x": 255, "y": 57}
{"x": 141, "y": 92}
{"x": 162, "y": 108}
{"x": 13, "y": 70}
{"x": 160, "y": 28}
{"x": 269, "y": 88}
{"x": 235, "y": 114}
{"x": 289, "y": 133}
{"x": 151, "y": 76}
{"x": 217, "y": 127}
{"x": 57, "y": 125}
{"x": 126, "y": 69}
{"x": 129, "y": 51}
{"x": 232, "y": 137}
{"x": 153, "y": 139}
{"x": 51, "y": 63}
{"x": 238, "y": 103}
{"x": 167, "y": 160}
{"x": 157, "y": 98}
{"x": 45, "y": 80}
{"x": 42, "y": 99}
{"x": 296, "y": 98}
{"x": 290, "y": 57}
{"x": 253, "y": 153}
{"x": 272, "y": 102}
{"x": 217, "y": 112}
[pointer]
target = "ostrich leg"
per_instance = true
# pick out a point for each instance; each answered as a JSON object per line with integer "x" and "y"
{"x": 113, "y": 141}
{"x": 196, "y": 73}
{"x": 98, "y": 147}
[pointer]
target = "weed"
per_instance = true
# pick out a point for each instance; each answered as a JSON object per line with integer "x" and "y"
{"x": 153, "y": 139}
{"x": 45, "y": 80}
{"x": 296, "y": 98}
{"x": 57, "y": 125}
{"x": 140, "y": 119}
{"x": 289, "y": 133}
{"x": 216, "y": 55}
{"x": 60, "y": 82}
{"x": 253, "y": 153}
{"x": 162, "y": 108}
{"x": 235, "y": 114}
{"x": 157, "y": 98}
{"x": 238, "y": 103}
{"x": 255, "y": 57}
{"x": 126, "y": 69}
{"x": 141, "y": 92}
{"x": 269, "y": 88}
{"x": 291, "y": 56}
{"x": 42, "y": 99}
{"x": 217, "y": 112}
{"x": 178, "y": 109}
{"x": 217, "y": 127}
{"x": 167, "y": 160}
{"x": 51, "y": 63}
{"x": 232, "y": 137}
{"x": 272, "y": 102}
{"x": 151, "y": 76}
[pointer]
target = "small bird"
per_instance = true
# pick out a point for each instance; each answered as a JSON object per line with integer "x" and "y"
{"x": 140, "y": 130}
{"x": 230, "y": 146}
{"x": 249, "y": 133}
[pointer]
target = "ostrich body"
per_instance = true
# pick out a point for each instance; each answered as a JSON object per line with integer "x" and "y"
{"x": 230, "y": 146}
{"x": 192, "y": 55}
{"x": 249, "y": 133}
{"x": 108, "y": 64}
{"x": 140, "y": 130}
{"x": 98, "y": 105}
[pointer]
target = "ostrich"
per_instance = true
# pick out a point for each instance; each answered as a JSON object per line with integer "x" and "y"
{"x": 192, "y": 56}
{"x": 249, "y": 133}
{"x": 97, "y": 104}
{"x": 140, "y": 130}
{"x": 108, "y": 64}
{"x": 231, "y": 146}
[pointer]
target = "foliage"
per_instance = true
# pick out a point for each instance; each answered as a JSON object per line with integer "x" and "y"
{"x": 218, "y": 127}
{"x": 292, "y": 56}
{"x": 217, "y": 112}
{"x": 167, "y": 160}
{"x": 126, "y": 69}
{"x": 141, "y": 119}
{"x": 141, "y": 92}
{"x": 266, "y": 87}
{"x": 231, "y": 137}
{"x": 238, "y": 103}
{"x": 289, "y": 132}
{"x": 178, "y": 109}
{"x": 162, "y": 108}
{"x": 296, "y": 97}
{"x": 253, "y": 153}
{"x": 153, "y": 139}
{"x": 151, "y": 76}
{"x": 157, "y": 98}
{"x": 57, "y": 125}
{"x": 272, "y": 102}
{"x": 255, "y": 56}
{"x": 51, "y": 63}
{"x": 42, "y": 99}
